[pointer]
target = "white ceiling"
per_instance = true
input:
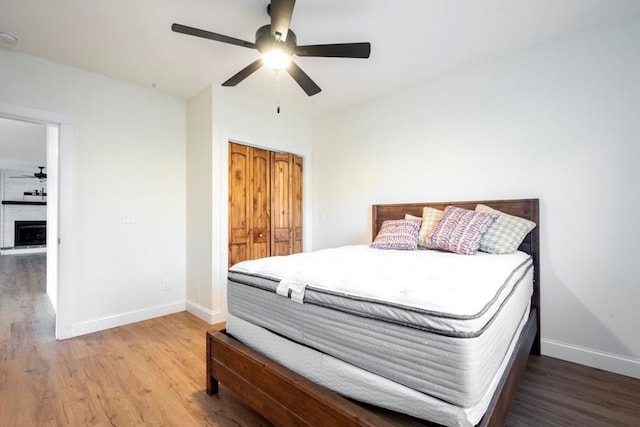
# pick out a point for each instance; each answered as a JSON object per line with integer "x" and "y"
{"x": 23, "y": 145}
{"x": 412, "y": 40}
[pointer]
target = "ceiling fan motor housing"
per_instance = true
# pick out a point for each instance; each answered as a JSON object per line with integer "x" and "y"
{"x": 266, "y": 42}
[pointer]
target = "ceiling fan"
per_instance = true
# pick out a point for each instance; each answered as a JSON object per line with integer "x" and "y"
{"x": 277, "y": 44}
{"x": 39, "y": 175}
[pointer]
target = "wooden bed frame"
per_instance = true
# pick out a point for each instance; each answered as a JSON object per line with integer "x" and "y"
{"x": 287, "y": 399}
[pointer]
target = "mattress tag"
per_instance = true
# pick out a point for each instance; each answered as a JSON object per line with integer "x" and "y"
{"x": 296, "y": 288}
{"x": 297, "y": 292}
{"x": 283, "y": 287}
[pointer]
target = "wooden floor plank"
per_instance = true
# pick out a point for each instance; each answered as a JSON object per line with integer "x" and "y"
{"x": 152, "y": 373}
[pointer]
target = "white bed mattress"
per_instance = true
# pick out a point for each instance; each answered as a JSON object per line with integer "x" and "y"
{"x": 434, "y": 352}
{"x": 453, "y": 294}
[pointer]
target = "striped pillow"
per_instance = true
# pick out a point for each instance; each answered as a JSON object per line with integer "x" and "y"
{"x": 400, "y": 234}
{"x": 430, "y": 217}
{"x": 507, "y": 233}
{"x": 460, "y": 230}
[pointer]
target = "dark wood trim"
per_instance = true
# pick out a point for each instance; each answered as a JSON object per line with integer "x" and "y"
{"x": 277, "y": 393}
{"x": 21, "y": 202}
{"x": 212, "y": 383}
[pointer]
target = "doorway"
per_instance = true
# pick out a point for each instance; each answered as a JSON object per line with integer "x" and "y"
{"x": 58, "y": 129}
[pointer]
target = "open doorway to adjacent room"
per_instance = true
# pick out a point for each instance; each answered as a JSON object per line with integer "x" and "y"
{"x": 29, "y": 191}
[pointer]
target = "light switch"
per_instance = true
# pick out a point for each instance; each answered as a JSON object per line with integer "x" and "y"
{"x": 128, "y": 218}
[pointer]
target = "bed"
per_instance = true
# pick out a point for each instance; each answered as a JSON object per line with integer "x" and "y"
{"x": 286, "y": 397}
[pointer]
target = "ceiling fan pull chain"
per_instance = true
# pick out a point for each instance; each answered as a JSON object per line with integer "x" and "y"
{"x": 278, "y": 90}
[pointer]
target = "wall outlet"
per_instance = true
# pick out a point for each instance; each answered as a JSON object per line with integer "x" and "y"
{"x": 165, "y": 284}
{"x": 128, "y": 218}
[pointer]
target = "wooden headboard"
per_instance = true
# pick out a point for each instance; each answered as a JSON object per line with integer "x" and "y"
{"x": 524, "y": 208}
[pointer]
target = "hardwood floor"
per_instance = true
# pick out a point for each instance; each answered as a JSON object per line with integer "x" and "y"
{"x": 559, "y": 393}
{"x": 152, "y": 373}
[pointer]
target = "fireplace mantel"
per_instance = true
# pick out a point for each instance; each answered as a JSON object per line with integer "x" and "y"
{"x": 22, "y": 202}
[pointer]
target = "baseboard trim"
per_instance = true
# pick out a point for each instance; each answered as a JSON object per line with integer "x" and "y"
{"x": 595, "y": 358}
{"x": 83, "y": 328}
{"x": 205, "y": 314}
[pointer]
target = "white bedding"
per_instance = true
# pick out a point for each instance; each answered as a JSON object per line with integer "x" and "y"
{"x": 462, "y": 291}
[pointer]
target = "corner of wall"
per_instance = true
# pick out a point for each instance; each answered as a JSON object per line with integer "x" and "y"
{"x": 205, "y": 314}
{"x": 199, "y": 207}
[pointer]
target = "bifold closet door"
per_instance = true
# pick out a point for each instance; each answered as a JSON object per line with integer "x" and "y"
{"x": 297, "y": 204}
{"x": 265, "y": 203}
{"x": 286, "y": 203}
{"x": 281, "y": 208}
{"x": 249, "y": 203}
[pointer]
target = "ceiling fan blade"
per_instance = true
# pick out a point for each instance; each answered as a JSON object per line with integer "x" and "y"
{"x": 340, "y": 50}
{"x": 281, "y": 12}
{"x": 178, "y": 28}
{"x": 302, "y": 79}
{"x": 244, "y": 73}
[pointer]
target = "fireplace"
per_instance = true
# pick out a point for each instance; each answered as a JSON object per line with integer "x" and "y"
{"x": 30, "y": 233}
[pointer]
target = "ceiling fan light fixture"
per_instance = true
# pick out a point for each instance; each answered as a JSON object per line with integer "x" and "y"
{"x": 276, "y": 59}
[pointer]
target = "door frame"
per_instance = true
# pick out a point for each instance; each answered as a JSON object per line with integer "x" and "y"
{"x": 220, "y": 208}
{"x": 59, "y": 150}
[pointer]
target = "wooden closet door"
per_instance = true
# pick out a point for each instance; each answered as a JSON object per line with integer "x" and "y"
{"x": 260, "y": 203}
{"x": 286, "y": 203}
{"x": 249, "y": 200}
{"x": 297, "y": 204}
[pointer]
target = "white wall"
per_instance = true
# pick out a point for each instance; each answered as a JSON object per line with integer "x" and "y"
{"x": 199, "y": 206}
{"x": 128, "y": 155}
{"x": 241, "y": 119}
{"x": 13, "y": 189}
{"x": 558, "y": 121}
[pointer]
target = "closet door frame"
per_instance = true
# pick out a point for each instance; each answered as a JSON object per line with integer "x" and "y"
{"x": 265, "y": 189}
{"x": 220, "y": 208}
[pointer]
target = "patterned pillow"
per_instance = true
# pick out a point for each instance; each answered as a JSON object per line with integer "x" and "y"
{"x": 507, "y": 233}
{"x": 399, "y": 234}
{"x": 460, "y": 230}
{"x": 430, "y": 217}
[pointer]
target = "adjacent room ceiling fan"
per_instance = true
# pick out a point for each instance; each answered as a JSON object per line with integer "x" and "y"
{"x": 40, "y": 175}
{"x": 277, "y": 44}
